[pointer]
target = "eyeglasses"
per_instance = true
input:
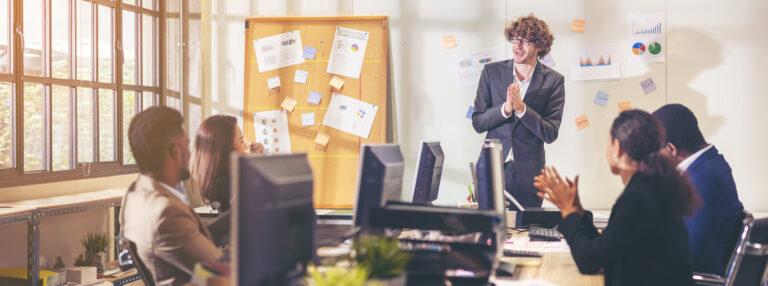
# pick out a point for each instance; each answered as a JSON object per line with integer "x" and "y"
{"x": 519, "y": 41}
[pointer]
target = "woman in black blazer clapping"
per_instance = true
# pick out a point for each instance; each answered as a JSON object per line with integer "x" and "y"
{"x": 646, "y": 241}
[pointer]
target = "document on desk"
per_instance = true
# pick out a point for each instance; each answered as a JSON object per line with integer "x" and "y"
{"x": 323, "y": 211}
{"x": 510, "y": 282}
{"x": 523, "y": 243}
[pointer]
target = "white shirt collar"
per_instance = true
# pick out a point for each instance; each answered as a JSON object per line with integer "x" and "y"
{"x": 177, "y": 192}
{"x": 685, "y": 164}
{"x": 527, "y": 78}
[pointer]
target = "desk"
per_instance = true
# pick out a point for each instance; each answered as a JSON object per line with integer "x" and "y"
{"x": 556, "y": 266}
{"x": 31, "y": 211}
{"x": 322, "y": 214}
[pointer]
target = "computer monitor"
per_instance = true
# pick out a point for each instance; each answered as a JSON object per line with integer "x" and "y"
{"x": 273, "y": 218}
{"x": 490, "y": 177}
{"x": 429, "y": 168}
{"x": 380, "y": 179}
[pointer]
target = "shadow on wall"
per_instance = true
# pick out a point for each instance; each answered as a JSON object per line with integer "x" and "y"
{"x": 693, "y": 53}
{"x": 427, "y": 105}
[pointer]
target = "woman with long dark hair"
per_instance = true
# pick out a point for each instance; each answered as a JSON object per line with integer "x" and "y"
{"x": 646, "y": 240}
{"x": 217, "y": 137}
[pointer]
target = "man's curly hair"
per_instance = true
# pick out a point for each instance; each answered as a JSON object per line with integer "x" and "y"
{"x": 533, "y": 30}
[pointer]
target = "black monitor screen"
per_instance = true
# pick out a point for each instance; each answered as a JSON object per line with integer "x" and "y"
{"x": 428, "y": 172}
{"x": 274, "y": 218}
{"x": 490, "y": 177}
{"x": 380, "y": 179}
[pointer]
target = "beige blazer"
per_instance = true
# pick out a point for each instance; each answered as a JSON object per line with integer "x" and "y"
{"x": 169, "y": 236}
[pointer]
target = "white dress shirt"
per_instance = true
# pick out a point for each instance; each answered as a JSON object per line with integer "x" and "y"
{"x": 524, "y": 83}
{"x": 683, "y": 166}
{"x": 177, "y": 192}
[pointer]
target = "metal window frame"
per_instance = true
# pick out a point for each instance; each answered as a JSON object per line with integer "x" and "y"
{"x": 16, "y": 176}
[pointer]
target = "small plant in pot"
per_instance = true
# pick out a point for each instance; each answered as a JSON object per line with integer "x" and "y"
{"x": 383, "y": 259}
{"x": 94, "y": 244}
{"x": 337, "y": 276}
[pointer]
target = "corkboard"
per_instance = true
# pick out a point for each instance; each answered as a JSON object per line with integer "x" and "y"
{"x": 335, "y": 167}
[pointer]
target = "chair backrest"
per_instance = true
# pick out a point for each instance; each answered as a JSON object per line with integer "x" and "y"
{"x": 733, "y": 239}
{"x": 741, "y": 245}
{"x": 759, "y": 253}
{"x": 754, "y": 267}
{"x": 146, "y": 275}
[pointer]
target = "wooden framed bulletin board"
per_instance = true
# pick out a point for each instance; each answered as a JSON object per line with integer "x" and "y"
{"x": 335, "y": 165}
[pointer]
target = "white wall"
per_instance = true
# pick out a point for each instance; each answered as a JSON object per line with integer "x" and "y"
{"x": 714, "y": 57}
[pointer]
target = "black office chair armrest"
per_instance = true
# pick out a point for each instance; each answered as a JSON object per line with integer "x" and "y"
{"x": 757, "y": 249}
{"x": 708, "y": 279}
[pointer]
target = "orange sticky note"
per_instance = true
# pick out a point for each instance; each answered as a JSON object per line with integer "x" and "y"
{"x": 581, "y": 122}
{"x": 577, "y": 25}
{"x": 337, "y": 82}
{"x": 288, "y": 104}
{"x": 449, "y": 41}
{"x": 322, "y": 139}
{"x": 625, "y": 105}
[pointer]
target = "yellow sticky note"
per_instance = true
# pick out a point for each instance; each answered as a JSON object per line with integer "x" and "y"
{"x": 581, "y": 122}
{"x": 577, "y": 25}
{"x": 337, "y": 82}
{"x": 322, "y": 139}
{"x": 625, "y": 105}
{"x": 449, "y": 41}
{"x": 288, "y": 104}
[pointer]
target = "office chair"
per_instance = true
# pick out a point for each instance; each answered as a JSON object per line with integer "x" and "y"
{"x": 753, "y": 267}
{"x": 759, "y": 251}
{"x": 146, "y": 276}
{"x": 740, "y": 250}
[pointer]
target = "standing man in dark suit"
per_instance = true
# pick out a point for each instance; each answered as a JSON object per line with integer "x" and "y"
{"x": 520, "y": 102}
{"x": 711, "y": 227}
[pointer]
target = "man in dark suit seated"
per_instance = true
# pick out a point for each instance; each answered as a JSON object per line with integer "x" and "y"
{"x": 712, "y": 225}
{"x": 520, "y": 102}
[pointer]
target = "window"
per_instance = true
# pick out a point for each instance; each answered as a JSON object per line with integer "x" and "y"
{"x": 61, "y": 120}
{"x": 104, "y": 45}
{"x": 83, "y": 70}
{"x": 129, "y": 48}
{"x": 34, "y": 127}
{"x": 33, "y": 37}
{"x": 130, "y": 104}
{"x": 60, "y": 35}
{"x": 106, "y": 125}
{"x": 84, "y": 125}
{"x": 6, "y": 126}
{"x": 5, "y": 37}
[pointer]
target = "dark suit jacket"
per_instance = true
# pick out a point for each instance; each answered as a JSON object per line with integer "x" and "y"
{"x": 544, "y": 98}
{"x": 711, "y": 226}
{"x": 645, "y": 242}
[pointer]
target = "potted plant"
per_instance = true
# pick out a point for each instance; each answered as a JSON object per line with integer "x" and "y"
{"x": 95, "y": 245}
{"x": 383, "y": 259}
{"x": 337, "y": 276}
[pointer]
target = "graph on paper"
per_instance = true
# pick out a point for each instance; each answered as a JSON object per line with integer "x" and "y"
{"x": 646, "y": 38}
{"x": 653, "y": 30}
{"x": 598, "y": 60}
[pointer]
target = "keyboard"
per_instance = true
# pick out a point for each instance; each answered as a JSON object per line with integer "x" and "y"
{"x": 521, "y": 253}
{"x": 543, "y": 234}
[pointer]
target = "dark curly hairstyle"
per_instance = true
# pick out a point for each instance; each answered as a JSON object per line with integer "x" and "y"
{"x": 641, "y": 136}
{"x": 150, "y": 133}
{"x": 533, "y": 30}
